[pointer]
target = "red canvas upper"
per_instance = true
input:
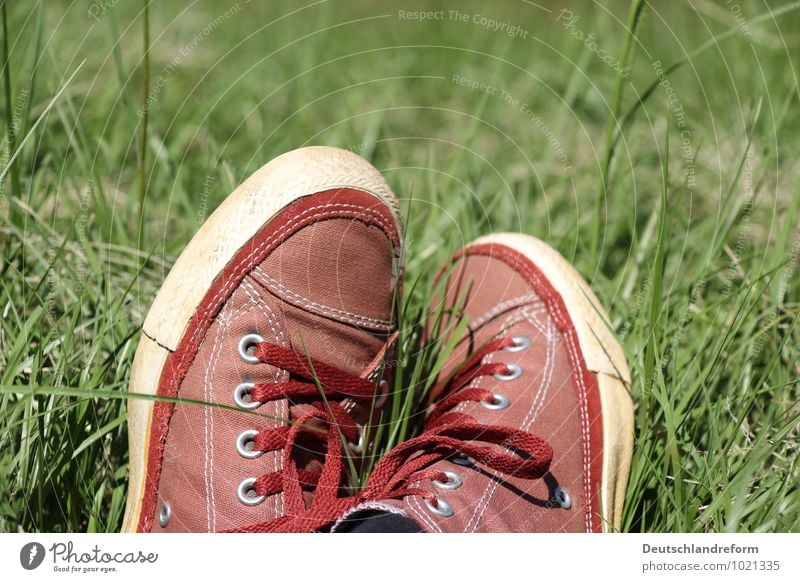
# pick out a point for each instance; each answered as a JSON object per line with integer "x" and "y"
{"x": 513, "y": 440}
{"x": 317, "y": 284}
{"x": 508, "y": 303}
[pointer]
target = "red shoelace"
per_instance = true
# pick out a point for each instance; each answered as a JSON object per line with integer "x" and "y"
{"x": 448, "y": 434}
{"x": 323, "y": 422}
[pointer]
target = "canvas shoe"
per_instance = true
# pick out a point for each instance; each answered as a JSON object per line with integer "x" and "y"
{"x": 531, "y": 424}
{"x": 280, "y": 314}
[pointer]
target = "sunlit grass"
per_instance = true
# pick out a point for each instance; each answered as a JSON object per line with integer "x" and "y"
{"x": 696, "y": 260}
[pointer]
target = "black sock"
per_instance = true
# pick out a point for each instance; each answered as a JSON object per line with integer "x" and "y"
{"x": 378, "y": 521}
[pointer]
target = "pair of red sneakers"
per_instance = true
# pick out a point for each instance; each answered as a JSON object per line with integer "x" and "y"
{"x": 269, "y": 348}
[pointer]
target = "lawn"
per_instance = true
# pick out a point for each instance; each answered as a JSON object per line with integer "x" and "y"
{"x": 655, "y": 145}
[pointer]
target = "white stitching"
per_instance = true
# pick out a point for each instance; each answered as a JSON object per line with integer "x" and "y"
{"x": 583, "y": 402}
{"x": 587, "y": 446}
{"x": 279, "y": 408}
{"x": 269, "y": 317}
{"x": 347, "y": 316}
{"x": 225, "y": 320}
{"x": 208, "y": 414}
{"x": 272, "y": 317}
{"x": 536, "y": 406}
{"x": 500, "y": 308}
{"x": 422, "y": 514}
{"x": 549, "y": 367}
{"x": 488, "y": 359}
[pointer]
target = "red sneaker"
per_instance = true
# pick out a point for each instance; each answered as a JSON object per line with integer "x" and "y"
{"x": 532, "y": 426}
{"x": 291, "y": 281}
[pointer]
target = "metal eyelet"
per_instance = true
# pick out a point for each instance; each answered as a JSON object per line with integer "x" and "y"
{"x": 245, "y": 344}
{"x": 514, "y": 372}
{"x": 358, "y": 447}
{"x": 239, "y": 394}
{"x": 499, "y": 401}
{"x": 561, "y": 496}
{"x": 244, "y": 490}
{"x": 243, "y": 440}
{"x": 463, "y": 460}
{"x": 442, "y": 508}
{"x": 164, "y": 514}
{"x": 520, "y": 343}
{"x": 454, "y": 481}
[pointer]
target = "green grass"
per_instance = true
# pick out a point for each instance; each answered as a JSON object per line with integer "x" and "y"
{"x": 673, "y": 190}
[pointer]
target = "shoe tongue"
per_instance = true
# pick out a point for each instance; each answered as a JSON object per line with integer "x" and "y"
{"x": 327, "y": 294}
{"x": 331, "y": 286}
{"x": 343, "y": 270}
{"x": 348, "y": 347}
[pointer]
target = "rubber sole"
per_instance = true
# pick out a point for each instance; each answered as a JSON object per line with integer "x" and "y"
{"x": 604, "y": 357}
{"x": 244, "y": 212}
